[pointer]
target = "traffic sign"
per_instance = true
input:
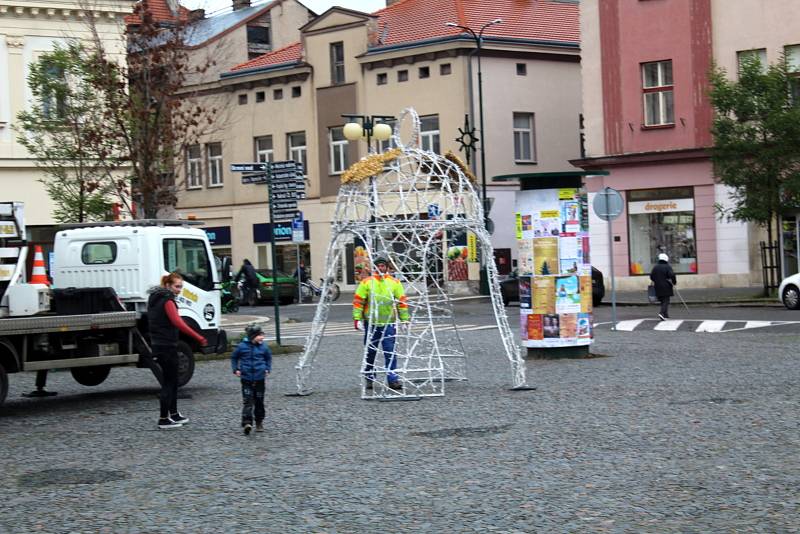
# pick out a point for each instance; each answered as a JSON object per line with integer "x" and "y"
{"x": 284, "y": 215}
{"x": 288, "y": 195}
{"x": 289, "y": 165}
{"x": 255, "y": 178}
{"x": 608, "y": 204}
{"x": 285, "y": 175}
{"x": 250, "y": 167}
{"x": 285, "y": 205}
{"x": 288, "y": 186}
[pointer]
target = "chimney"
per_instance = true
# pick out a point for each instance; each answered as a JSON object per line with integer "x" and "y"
{"x": 240, "y": 4}
{"x": 390, "y": 2}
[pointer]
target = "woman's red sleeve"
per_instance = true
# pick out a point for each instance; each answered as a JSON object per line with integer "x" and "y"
{"x": 174, "y": 317}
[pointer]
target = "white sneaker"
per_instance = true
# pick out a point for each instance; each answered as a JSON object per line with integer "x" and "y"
{"x": 168, "y": 423}
{"x": 178, "y": 418}
{"x": 661, "y": 317}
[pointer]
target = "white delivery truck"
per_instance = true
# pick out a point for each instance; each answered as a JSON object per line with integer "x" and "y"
{"x": 94, "y": 316}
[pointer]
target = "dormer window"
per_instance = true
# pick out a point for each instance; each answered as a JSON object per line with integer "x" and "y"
{"x": 258, "y": 41}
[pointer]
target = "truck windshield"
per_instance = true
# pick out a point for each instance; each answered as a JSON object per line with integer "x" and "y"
{"x": 190, "y": 259}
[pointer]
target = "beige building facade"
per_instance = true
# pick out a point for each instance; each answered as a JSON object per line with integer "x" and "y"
{"x": 29, "y": 28}
{"x": 289, "y": 105}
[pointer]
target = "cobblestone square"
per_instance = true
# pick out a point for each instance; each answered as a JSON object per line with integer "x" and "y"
{"x": 666, "y": 433}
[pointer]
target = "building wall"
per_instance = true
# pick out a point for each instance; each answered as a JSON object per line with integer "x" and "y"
{"x": 26, "y": 32}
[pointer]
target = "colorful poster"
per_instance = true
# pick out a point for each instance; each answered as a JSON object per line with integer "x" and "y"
{"x": 568, "y": 327}
{"x": 584, "y": 326}
{"x": 586, "y": 294}
{"x": 525, "y": 292}
{"x": 545, "y": 255}
{"x": 569, "y": 266}
{"x": 550, "y": 326}
{"x": 570, "y": 217}
{"x": 547, "y": 227}
{"x": 457, "y": 270}
{"x": 527, "y": 223}
{"x": 534, "y": 330}
{"x": 585, "y": 256}
{"x": 519, "y": 225}
{"x": 568, "y": 297}
{"x": 544, "y": 294}
{"x": 523, "y": 326}
{"x": 567, "y": 193}
{"x": 472, "y": 247}
{"x": 525, "y": 262}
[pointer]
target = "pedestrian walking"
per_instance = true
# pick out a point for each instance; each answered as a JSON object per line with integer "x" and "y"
{"x": 248, "y": 273}
{"x": 166, "y": 326}
{"x": 300, "y": 273}
{"x": 664, "y": 280}
{"x": 252, "y": 363}
{"x": 378, "y": 303}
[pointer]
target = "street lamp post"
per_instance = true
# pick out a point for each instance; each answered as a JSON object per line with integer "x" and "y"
{"x": 479, "y": 42}
{"x": 367, "y": 127}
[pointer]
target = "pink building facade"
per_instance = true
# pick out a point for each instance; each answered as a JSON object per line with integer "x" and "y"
{"x": 647, "y": 121}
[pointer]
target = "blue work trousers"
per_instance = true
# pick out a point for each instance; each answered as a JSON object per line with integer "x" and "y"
{"x": 382, "y": 336}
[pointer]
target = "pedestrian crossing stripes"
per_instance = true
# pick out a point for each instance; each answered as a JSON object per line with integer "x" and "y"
{"x": 301, "y": 330}
{"x": 690, "y": 325}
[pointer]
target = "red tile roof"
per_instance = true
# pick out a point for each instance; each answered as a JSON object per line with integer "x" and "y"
{"x": 408, "y": 21}
{"x": 288, "y": 54}
{"x": 159, "y": 9}
{"x": 541, "y": 20}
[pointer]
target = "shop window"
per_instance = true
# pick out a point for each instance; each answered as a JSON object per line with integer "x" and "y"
{"x": 662, "y": 221}
{"x": 658, "y": 93}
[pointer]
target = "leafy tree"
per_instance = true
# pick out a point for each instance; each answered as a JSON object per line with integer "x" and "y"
{"x": 64, "y": 131}
{"x": 151, "y": 107}
{"x": 756, "y": 132}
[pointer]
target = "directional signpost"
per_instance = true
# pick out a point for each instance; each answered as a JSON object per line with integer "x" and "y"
{"x": 286, "y": 185}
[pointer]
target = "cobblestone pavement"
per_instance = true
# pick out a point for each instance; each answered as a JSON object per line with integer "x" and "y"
{"x": 667, "y": 433}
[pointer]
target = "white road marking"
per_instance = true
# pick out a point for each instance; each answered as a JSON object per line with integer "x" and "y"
{"x": 669, "y": 325}
{"x": 628, "y": 326}
{"x": 711, "y": 326}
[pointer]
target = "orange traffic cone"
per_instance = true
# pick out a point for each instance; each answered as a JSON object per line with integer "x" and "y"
{"x": 39, "y": 276}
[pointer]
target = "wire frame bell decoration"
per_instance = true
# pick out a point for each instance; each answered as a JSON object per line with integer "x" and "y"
{"x": 385, "y": 206}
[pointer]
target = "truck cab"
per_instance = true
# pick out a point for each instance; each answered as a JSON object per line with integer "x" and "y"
{"x": 132, "y": 256}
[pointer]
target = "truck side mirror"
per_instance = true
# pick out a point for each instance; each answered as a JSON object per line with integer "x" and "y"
{"x": 226, "y": 269}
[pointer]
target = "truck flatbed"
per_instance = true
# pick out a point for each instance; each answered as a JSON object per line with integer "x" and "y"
{"x": 67, "y": 323}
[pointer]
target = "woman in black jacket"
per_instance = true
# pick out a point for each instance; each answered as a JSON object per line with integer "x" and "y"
{"x": 166, "y": 326}
{"x": 663, "y": 279}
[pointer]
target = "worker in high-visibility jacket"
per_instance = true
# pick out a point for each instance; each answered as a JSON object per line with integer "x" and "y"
{"x": 379, "y": 302}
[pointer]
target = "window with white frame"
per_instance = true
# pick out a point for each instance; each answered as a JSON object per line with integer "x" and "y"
{"x": 338, "y": 155}
{"x": 793, "y": 64}
{"x": 429, "y": 133}
{"x": 194, "y": 167}
{"x": 214, "y": 164}
{"x": 298, "y": 148}
{"x": 389, "y": 144}
{"x": 54, "y": 100}
{"x": 756, "y": 54}
{"x": 263, "y": 149}
{"x": 658, "y": 89}
{"x": 524, "y": 138}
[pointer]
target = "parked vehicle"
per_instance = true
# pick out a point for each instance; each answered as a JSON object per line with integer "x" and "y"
{"x": 509, "y": 288}
{"x": 287, "y": 288}
{"x": 95, "y": 315}
{"x": 789, "y": 292}
{"x": 309, "y": 289}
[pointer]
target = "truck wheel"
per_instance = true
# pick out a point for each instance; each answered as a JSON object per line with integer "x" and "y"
{"x": 185, "y": 363}
{"x": 90, "y": 376}
{"x": 3, "y": 384}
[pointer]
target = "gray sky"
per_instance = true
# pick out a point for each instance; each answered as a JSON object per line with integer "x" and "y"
{"x": 318, "y": 6}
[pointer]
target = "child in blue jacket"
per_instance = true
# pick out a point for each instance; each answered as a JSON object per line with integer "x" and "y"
{"x": 252, "y": 362}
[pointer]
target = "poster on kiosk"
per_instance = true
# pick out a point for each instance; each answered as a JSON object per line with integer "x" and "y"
{"x": 555, "y": 273}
